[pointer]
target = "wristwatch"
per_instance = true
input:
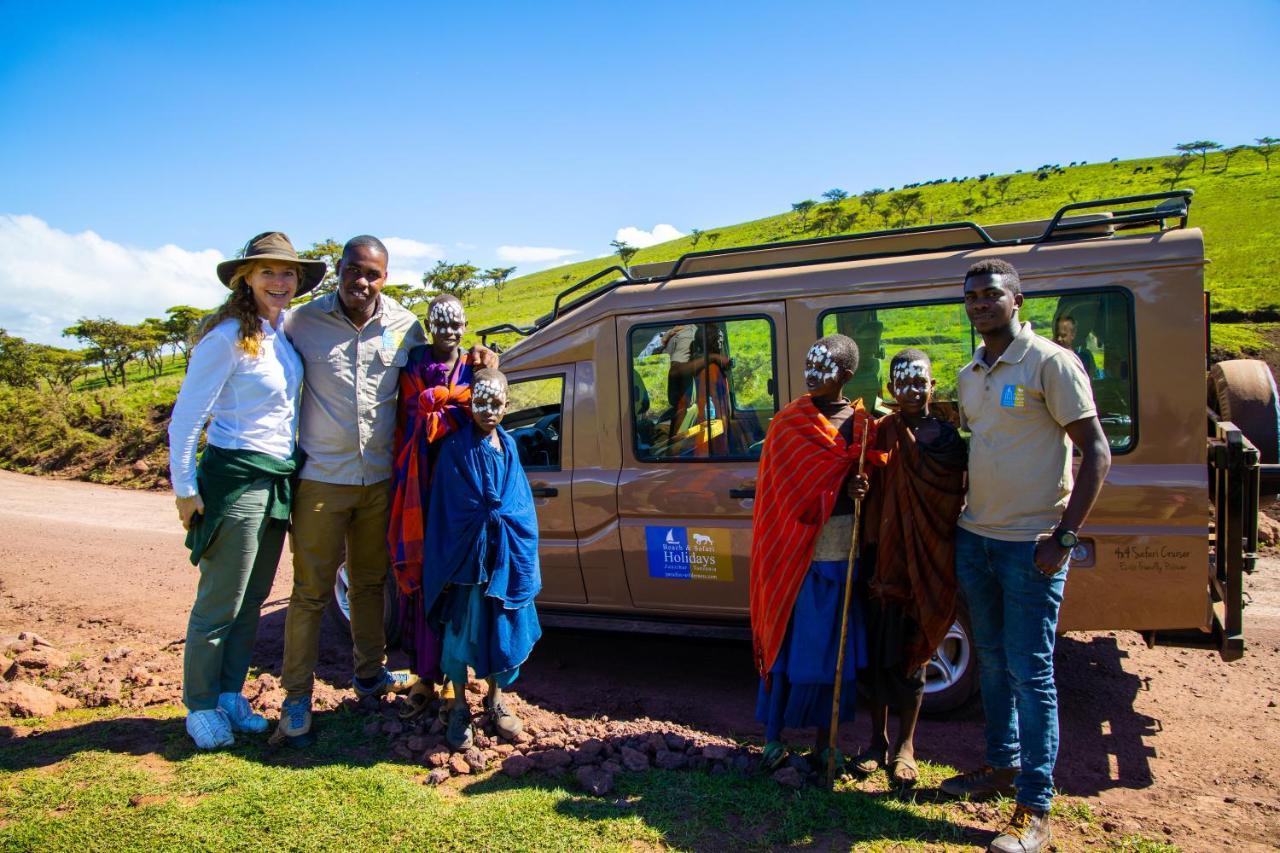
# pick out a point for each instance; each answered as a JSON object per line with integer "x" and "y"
{"x": 1066, "y": 539}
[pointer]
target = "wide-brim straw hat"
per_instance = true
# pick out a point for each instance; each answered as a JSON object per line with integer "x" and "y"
{"x": 274, "y": 246}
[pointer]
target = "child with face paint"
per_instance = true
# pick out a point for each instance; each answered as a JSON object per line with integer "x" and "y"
{"x": 435, "y": 393}
{"x": 801, "y": 537}
{"x": 909, "y": 526}
{"x": 481, "y": 561}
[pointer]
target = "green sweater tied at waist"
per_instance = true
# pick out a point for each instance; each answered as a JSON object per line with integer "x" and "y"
{"x": 224, "y": 475}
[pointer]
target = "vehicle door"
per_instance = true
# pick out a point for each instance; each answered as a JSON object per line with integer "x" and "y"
{"x": 536, "y": 403}
{"x": 700, "y": 390}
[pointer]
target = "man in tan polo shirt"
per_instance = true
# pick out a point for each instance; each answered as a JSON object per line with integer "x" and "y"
{"x": 353, "y": 343}
{"x": 1026, "y": 401}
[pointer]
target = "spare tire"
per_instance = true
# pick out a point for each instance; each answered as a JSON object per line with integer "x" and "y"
{"x": 1243, "y": 391}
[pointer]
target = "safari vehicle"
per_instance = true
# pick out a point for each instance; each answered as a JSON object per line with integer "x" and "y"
{"x": 640, "y": 404}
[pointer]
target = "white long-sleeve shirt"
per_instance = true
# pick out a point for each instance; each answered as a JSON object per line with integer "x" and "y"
{"x": 253, "y": 401}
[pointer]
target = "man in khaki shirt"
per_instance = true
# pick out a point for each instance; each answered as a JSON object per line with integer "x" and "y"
{"x": 1025, "y": 400}
{"x": 353, "y": 343}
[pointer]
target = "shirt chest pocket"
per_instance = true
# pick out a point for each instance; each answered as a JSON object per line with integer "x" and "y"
{"x": 382, "y": 369}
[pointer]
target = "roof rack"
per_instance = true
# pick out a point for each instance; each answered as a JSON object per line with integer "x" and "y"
{"x": 1174, "y": 204}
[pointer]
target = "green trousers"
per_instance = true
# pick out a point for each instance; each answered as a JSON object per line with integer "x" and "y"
{"x": 333, "y": 522}
{"x": 236, "y": 573}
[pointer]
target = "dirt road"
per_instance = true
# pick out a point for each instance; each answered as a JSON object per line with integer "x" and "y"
{"x": 1163, "y": 742}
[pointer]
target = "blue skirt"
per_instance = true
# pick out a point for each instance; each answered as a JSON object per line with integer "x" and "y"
{"x": 479, "y": 632}
{"x": 799, "y": 692}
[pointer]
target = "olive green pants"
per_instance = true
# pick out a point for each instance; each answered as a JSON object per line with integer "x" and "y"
{"x": 327, "y": 517}
{"x": 236, "y": 573}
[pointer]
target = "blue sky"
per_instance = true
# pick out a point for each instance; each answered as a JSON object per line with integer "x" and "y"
{"x": 174, "y": 131}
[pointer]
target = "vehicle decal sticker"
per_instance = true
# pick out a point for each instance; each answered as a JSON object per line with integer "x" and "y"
{"x": 689, "y": 553}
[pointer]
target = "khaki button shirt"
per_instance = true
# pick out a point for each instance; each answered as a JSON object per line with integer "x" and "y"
{"x": 351, "y": 379}
{"x": 1019, "y": 452}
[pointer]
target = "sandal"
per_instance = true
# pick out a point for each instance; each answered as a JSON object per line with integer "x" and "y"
{"x": 775, "y": 753}
{"x": 870, "y": 760}
{"x": 418, "y": 698}
{"x": 903, "y": 763}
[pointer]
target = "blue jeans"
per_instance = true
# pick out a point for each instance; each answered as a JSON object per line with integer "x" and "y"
{"x": 1013, "y": 609}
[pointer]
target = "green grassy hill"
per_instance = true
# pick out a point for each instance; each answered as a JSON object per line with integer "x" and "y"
{"x": 117, "y": 435}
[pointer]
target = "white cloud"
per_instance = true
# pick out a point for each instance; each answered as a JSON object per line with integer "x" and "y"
{"x": 403, "y": 247}
{"x": 49, "y": 279}
{"x": 533, "y": 254}
{"x": 642, "y": 239}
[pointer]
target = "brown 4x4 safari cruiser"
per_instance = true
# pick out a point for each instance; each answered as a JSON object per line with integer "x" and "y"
{"x": 643, "y": 461}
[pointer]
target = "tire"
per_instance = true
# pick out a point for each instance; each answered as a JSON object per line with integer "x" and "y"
{"x": 339, "y": 610}
{"x": 951, "y": 676}
{"x": 1243, "y": 391}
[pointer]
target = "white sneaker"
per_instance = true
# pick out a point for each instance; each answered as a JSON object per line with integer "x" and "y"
{"x": 240, "y": 715}
{"x": 209, "y": 729}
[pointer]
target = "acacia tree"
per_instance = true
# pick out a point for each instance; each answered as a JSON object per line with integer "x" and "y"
{"x": 904, "y": 204}
{"x": 58, "y": 367}
{"x": 17, "y": 361}
{"x": 1266, "y": 147}
{"x": 454, "y": 279}
{"x": 625, "y": 251}
{"x": 826, "y": 218}
{"x": 111, "y": 344}
{"x": 151, "y": 338}
{"x": 802, "y": 209}
{"x": 1002, "y": 186}
{"x": 1175, "y": 166}
{"x": 869, "y": 198}
{"x": 180, "y": 327}
{"x": 1201, "y": 147}
{"x": 713, "y": 237}
{"x": 695, "y": 234}
{"x": 497, "y": 276}
{"x": 849, "y": 220}
{"x": 1228, "y": 153}
{"x": 329, "y": 251}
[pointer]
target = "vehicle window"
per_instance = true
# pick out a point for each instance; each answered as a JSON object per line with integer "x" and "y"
{"x": 533, "y": 419}
{"x": 702, "y": 390}
{"x": 1096, "y": 326}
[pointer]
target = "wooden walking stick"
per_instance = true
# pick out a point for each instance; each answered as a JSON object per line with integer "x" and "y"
{"x": 844, "y": 617}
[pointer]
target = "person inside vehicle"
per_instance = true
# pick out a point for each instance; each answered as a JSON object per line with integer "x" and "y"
{"x": 1064, "y": 335}
{"x": 435, "y": 396}
{"x": 1026, "y": 401}
{"x": 244, "y": 380}
{"x": 480, "y": 561}
{"x": 801, "y": 538}
{"x": 909, "y": 529}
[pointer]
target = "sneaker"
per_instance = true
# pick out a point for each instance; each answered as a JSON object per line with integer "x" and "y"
{"x": 505, "y": 723}
{"x": 459, "y": 734}
{"x": 209, "y": 729}
{"x": 1027, "y": 832}
{"x": 981, "y": 784}
{"x": 294, "y": 727}
{"x": 384, "y": 682}
{"x": 240, "y": 715}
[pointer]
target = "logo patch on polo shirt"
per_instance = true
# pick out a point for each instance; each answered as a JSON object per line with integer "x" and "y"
{"x": 1013, "y": 397}
{"x": 391, "y": 340}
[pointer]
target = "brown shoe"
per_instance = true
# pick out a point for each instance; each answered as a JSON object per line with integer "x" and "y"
{"x": 1027, "y": 832}
{"x": 981, "y": 784}
{"x": 505, "y": 723}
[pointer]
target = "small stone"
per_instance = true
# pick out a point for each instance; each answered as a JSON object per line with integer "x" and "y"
{"x": 516, "y": 765}
{"x": 655, "y": 743}
{"x": 23, "y": 699}
{"x": 790, "y": 777}
{"x": 634, "y": 759}
{"x": 140, "y": 675}
{"x": 1228, "y": 799}
{"x": 43, "y": 658}
{"x": 437, "y": 727}
{"x": 742, "y": 762}
{"x": 401, "y": 750}
{"x": 611, "y": 766}
{"x": 604, "y": 718}
{"x": 437, "y": 757}
{"x": 678, "y": 743}
{"x": 116, "y": 654}
{"x": 1271, "y": 704}
{"x": 372, "y": 727}
{"x": 554, "y": 758}
{"x": 524, "y": 738}
{"x": 34, "y": 639}
{"x": 6, "y": 667}
{"x": 151, "y": 696}
{"x": 417, "y": 743}
{"x": 458, "y": 764}
{"x": 111, "y": 690}
{"x": 595, "y": 781}
{"x": 667, "y": 759}
{"x": 503, "y": 749}
{"x": 392, "y": 727}
{"x": 698, "y": 762}
{"x": 715, "y": 752}
{"x": 141, "y": 467}
{"x": 799, "y": 763}
{"x": 591, "y": 746}
{"x": 437, "y": 776}
{"x": 475, "y": 760}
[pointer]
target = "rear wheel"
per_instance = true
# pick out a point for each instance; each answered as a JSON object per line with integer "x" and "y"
{"x": 340, "y": 606}
{"x": 1243, "y": 391}
{"x": 951, "y": 676}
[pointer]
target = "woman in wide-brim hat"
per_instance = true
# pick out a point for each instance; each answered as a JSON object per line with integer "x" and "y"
{"x": 246, "y": 376}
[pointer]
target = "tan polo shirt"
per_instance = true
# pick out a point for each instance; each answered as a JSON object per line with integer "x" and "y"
{"x": 351, "y": 380}
{"x": 1019, "y": 453}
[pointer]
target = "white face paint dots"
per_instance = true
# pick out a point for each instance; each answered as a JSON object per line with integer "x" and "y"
{"x": 820, "y": 365}
{"x": 444, "y": 316}
{"x": 487, "y": 397}
{"x": 905, "y": 374}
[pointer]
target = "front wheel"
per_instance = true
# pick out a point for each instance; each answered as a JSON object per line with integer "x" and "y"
{"x": 951, "y": 676}
{"x": 340, "y": 606}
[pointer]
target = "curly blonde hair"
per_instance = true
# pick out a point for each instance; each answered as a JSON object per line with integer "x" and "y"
{"x": 243, "y": 308}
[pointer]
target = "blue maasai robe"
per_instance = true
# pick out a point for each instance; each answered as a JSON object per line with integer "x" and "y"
{"x": 480, "y": 569}
{"x": 798, "y": 691}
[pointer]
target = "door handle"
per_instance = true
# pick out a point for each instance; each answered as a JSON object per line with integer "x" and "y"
{"x": 545, "y": 491}
{"x": 743, "y": 494}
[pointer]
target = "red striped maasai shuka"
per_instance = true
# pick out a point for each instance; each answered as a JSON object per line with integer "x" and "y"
{"x": 427, "y": 415}
{"x": 803, "y": 465}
